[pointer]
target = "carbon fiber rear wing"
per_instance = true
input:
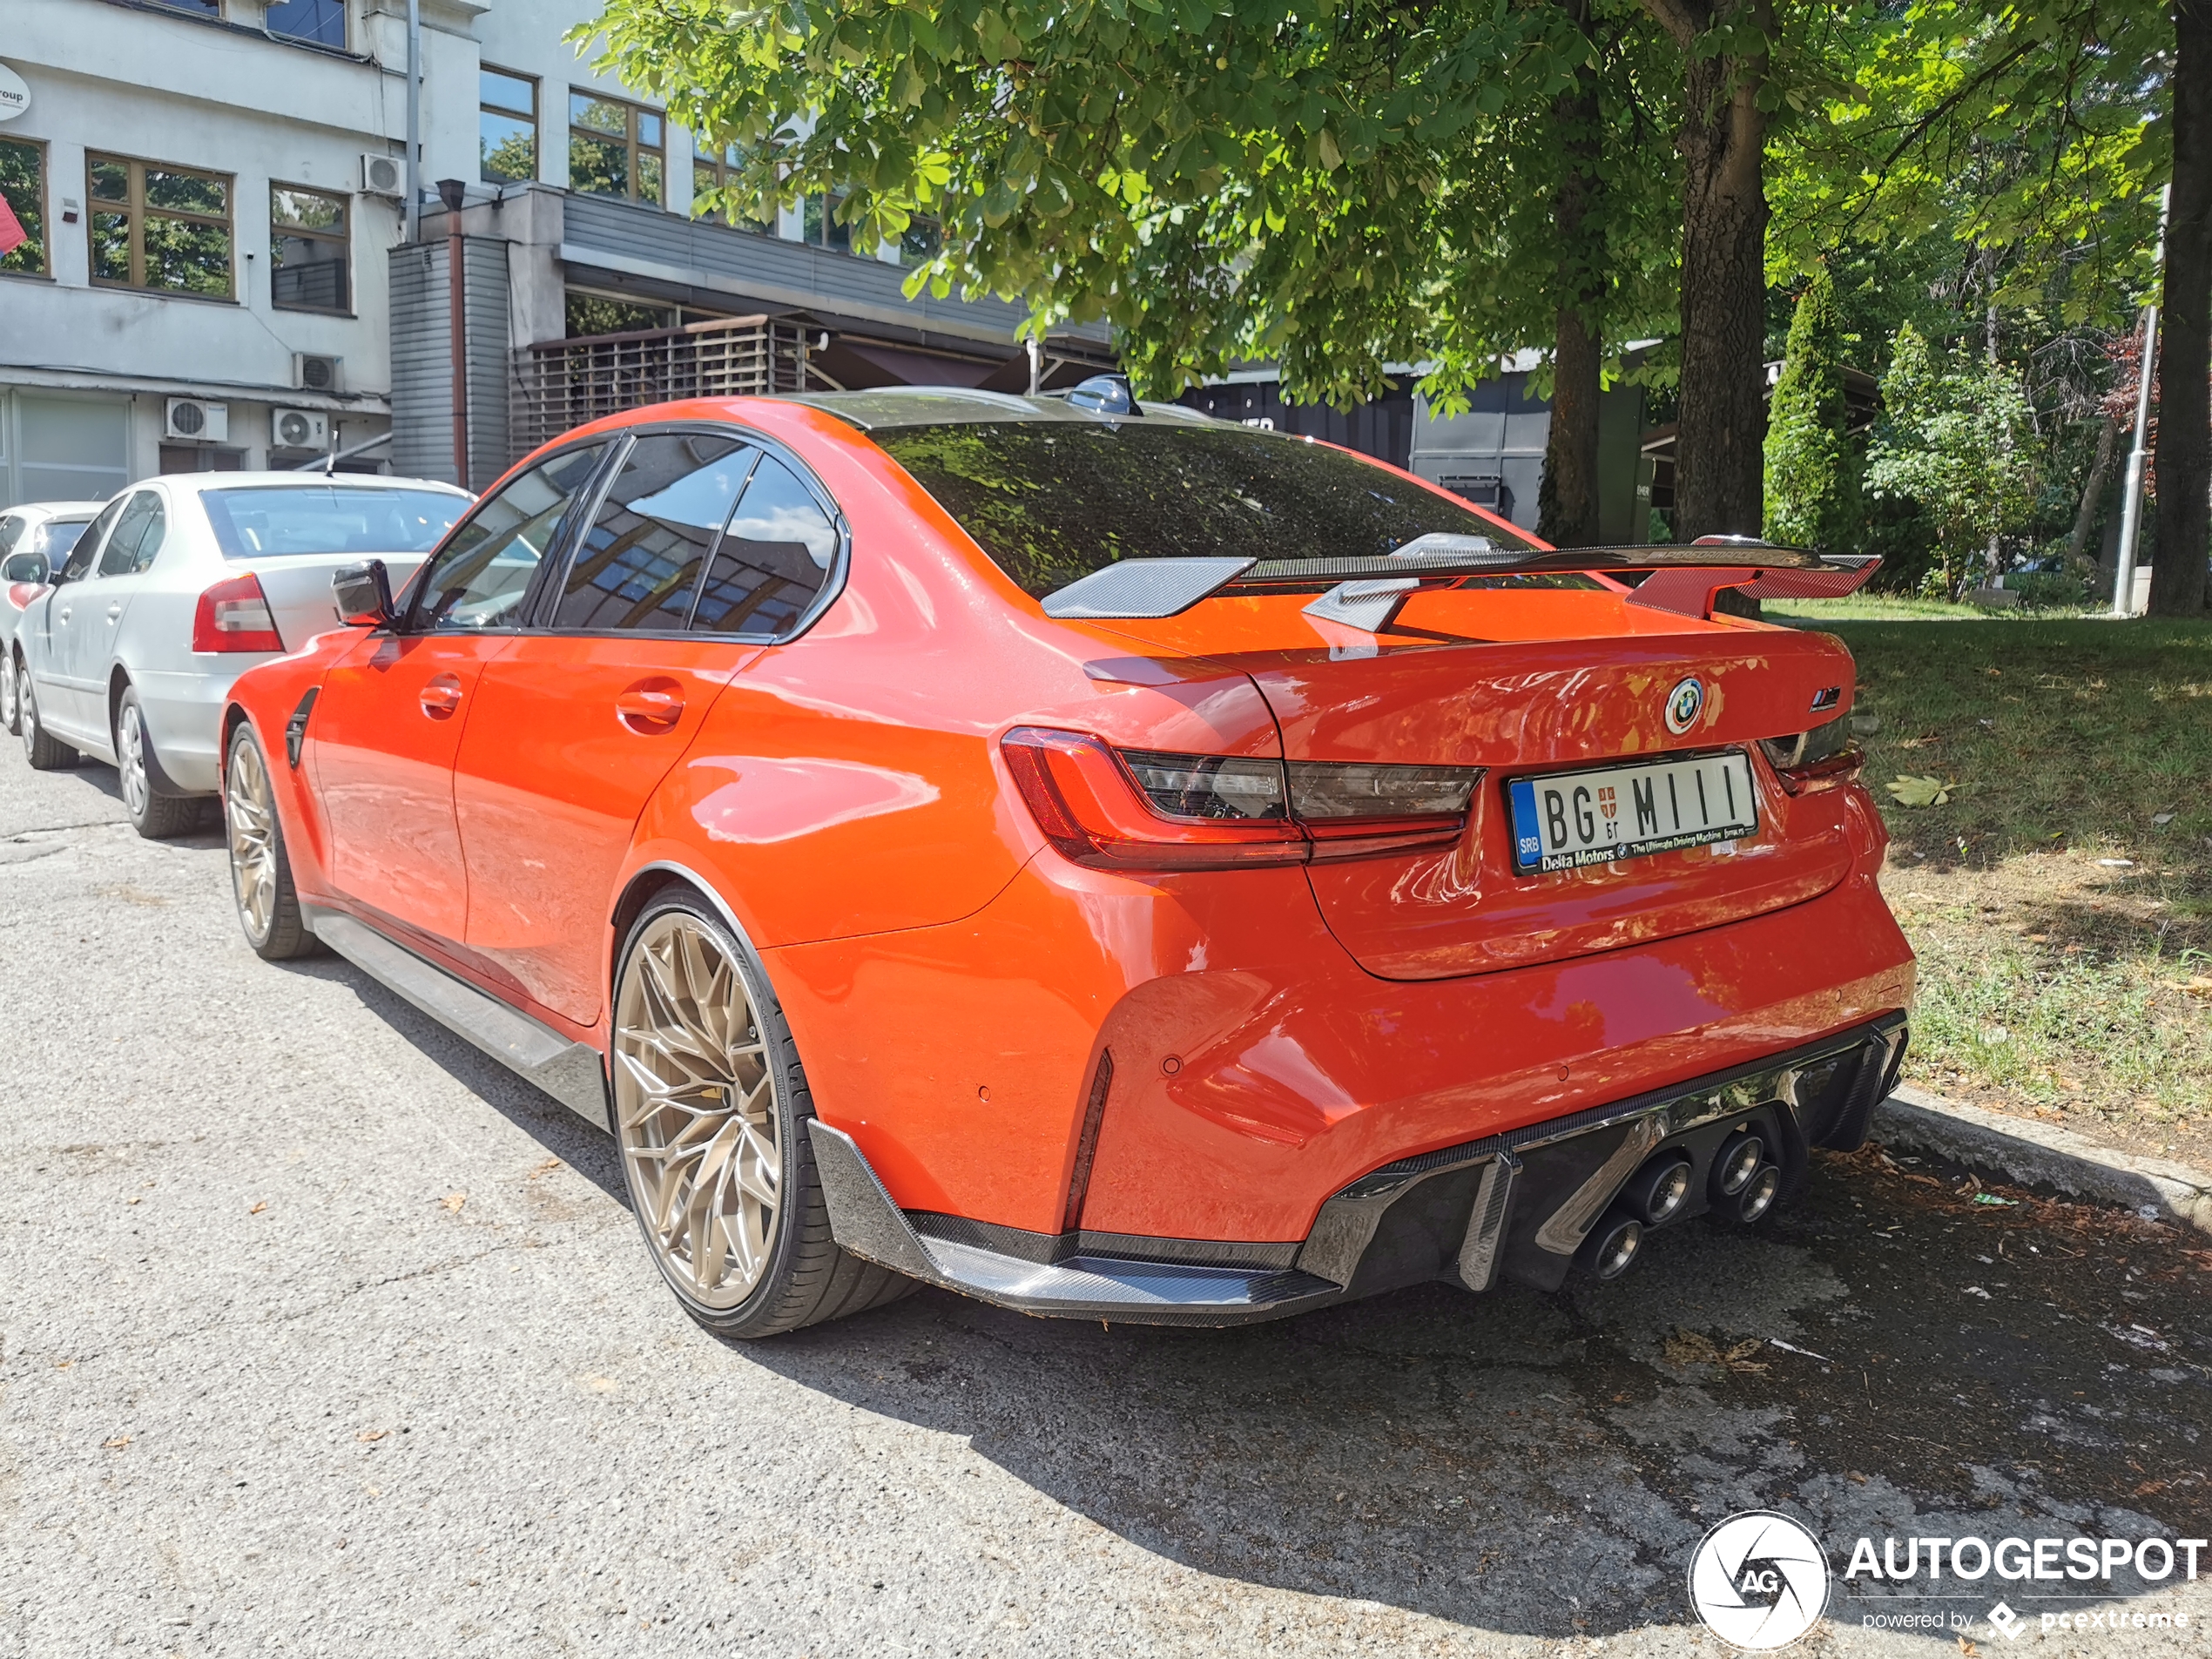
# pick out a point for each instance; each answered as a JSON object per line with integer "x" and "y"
{"x": 1366, "y": 591}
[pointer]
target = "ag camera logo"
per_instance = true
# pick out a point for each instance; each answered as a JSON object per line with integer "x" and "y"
{"x": 1759, "y": 1581}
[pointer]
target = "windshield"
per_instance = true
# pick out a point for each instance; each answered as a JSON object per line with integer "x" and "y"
{"x": 273, "y": 520}
{"x": 1054, "y": 501}
{"x": 55, "y": 537}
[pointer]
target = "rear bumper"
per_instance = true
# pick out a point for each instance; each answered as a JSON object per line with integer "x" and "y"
{"x": 184, "y": 716}
{"x": 1521, "y": 1205}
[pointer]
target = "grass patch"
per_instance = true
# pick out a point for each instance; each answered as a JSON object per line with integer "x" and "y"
{"x": 2061, "y": 899}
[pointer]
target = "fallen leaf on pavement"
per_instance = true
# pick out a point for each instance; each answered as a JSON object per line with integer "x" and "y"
{"x": 256, "y": 1209}
{"x": 546, "y": 1168}
{"x": 117, "y": 1444}
{"x": 453, "y": 1201}
{"x": 371, "y": 1434}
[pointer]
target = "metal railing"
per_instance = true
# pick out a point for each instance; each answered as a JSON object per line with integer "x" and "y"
{"x": 562, "y": 383}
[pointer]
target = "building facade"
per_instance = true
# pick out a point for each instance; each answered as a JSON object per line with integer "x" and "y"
{"x": 217, "y": 272}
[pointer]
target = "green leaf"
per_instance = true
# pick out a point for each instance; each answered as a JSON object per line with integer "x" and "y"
{"x": 1919, "y": 792}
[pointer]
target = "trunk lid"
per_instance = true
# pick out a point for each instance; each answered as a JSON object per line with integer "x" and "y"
{"x": 297, "y": 587}
{"x": 1490, "y": 685}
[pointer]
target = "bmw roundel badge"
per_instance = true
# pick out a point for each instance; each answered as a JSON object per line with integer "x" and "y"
{"x": 1684, "y": 704}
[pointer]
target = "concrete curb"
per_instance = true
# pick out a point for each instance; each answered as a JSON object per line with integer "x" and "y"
{"x": 2033, "y": 1154}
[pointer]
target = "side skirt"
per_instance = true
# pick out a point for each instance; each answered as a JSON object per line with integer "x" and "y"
{"x": 570, "y": 1072}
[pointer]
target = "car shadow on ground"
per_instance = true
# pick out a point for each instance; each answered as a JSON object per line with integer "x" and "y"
{"x": 1544, "y": 1464}
{"x": 1892, "y": 1357}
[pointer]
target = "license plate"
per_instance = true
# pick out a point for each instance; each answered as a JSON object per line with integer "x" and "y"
{"x": 1564, "y": 821}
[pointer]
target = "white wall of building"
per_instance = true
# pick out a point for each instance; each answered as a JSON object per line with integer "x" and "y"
{"x": 225, "y": 97}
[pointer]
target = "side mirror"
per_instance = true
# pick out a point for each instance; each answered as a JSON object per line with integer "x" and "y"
{"x": 26, "y": 567}
{"x": 364, "y": 595}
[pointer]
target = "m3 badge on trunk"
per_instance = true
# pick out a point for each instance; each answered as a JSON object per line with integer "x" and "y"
{"x": 1684, "y": 704}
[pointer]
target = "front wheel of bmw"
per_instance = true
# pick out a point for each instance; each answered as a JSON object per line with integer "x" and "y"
{"x": 711, "y": 1108}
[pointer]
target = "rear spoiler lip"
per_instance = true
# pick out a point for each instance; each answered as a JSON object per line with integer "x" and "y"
{"x": 1131, "y": 589}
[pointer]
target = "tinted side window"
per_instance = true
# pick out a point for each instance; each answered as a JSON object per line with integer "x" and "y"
{"x": 120, "y": 556}
{"x": 80, "y": 558}
{"x": 638, "y": 567}
{"x": 477, "y": 580}
{"x": 151, "y": 536}
{"x": 772, "y": 560}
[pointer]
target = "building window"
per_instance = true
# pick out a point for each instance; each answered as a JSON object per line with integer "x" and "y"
{"x": 194, "y": 8}
{"x": 23, "y": 183}
{"x": 590, "y": 315}
{"x": 160, "y": 227}
{"x": 819, "y": 225}
{"x": 615, "y": 149}
{"x": 309, "y": 262}
{"x": 321, "y": 22}
{"x": 712, "y": 172}
{"x": 506, "y": 127}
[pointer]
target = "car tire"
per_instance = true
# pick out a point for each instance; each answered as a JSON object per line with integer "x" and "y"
{"x": 11, "y": 701}
{"x": 156, "y": 816}
{"x": 268, "y": 905}
{"x": 44, "y": 753}
{"x": 698, "y": 1037}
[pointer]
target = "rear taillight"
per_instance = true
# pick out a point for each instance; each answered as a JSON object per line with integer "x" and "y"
{"x": 235, "y": 615}
{"x": 1140, "y": 809}
{"x": 1823, "y": 758}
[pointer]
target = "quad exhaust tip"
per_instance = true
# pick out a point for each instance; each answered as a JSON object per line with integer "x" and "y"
{"x": 1759, "y": 1193}
{"x": 1658, "y": 1192}
{"x": 1614, "y": 1244}
{"x": 1736, "y": 1167}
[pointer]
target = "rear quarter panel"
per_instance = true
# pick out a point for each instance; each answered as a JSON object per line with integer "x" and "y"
{"x": 849, "y": 782}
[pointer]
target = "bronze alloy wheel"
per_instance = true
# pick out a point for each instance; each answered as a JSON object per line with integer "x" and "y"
{"x": 249, "y": 816}
{"x": 695, "y": 1110}
{"x": 269, "y": 906}
{"x": 711, "y": 1107}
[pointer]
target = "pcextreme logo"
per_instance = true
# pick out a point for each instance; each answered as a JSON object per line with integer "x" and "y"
{"x": 1760, "y": 1580}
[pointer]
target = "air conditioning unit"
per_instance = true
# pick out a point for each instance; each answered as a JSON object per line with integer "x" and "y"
{"x": 298, "y": 429}
{"x": 311, "y": 372}
{"x": 189, "y": 417}
{"x": 383, "y": 175}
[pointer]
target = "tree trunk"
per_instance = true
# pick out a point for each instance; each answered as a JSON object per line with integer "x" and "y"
{"x": 2178, "y": 585}
{"x": 1719, "y": 467}
{"x": 1567, "y": 502}
{"x": 2093, "y": 491}
{"x": 1567, "y": 509}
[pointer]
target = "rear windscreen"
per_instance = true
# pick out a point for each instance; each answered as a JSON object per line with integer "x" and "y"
{"x": 272, "y": 520}
{"x": 1051, "y": 502}
{"x": 55, "y": 537}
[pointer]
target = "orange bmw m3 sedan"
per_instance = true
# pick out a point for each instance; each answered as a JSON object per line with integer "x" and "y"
{"x": 1093, "y": 858}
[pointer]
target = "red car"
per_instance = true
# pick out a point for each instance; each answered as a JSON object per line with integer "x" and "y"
{"x": 1101, "y": 860}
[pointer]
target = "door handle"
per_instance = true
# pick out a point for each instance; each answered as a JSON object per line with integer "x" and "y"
{"x": 653, "y": 707}
{"x": 113, "y": 611}
{"x": 64, "y": 613}
{"x": 440, "y": 696}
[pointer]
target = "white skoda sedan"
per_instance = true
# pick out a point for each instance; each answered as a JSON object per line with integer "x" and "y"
{"x": 180, "y": 585}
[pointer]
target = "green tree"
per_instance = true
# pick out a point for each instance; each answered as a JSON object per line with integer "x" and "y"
{"x": 1335, "y": 192}
{"x": 1811, "y": 466}
{"x": 1957, "y": 440}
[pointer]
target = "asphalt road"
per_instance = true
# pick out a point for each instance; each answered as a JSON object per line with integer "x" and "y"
{"x": 321, "y": 1334}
